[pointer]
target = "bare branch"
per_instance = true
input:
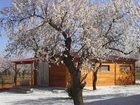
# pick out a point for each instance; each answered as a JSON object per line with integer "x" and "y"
{"x": 126, "y": 53}
{"x": 63, "y": 18}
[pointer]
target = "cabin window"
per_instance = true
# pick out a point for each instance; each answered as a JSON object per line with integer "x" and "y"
{"x": 125, "y": 67}
{"x": 105, "y": 68}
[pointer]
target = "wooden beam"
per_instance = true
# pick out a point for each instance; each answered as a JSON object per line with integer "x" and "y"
{"x": 35, "y": 67}
{"x": 115, "y": 73}
{"x": 134, "y": 73}
{"x": 15, "y": 76}
{"x": 31, "y": 74}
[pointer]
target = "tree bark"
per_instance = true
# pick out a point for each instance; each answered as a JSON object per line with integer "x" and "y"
{"x": 76, "y": 85}
{"x": 94, "y": 80}
{"x": 77, "y": 90}
{"x": 15, "y": 78}
{"x": 77, "y": 97}
{"x": 95, "y": 76}
{"x": 15, "y": 75}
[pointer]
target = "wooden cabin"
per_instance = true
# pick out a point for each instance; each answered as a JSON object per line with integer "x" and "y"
{"x": 114, "y": 71}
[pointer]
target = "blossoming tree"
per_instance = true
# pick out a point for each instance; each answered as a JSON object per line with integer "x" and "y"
{"x": 69, "y": 28}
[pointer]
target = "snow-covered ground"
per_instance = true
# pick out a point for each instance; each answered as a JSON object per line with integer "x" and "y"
{"x": 104, "y": 95}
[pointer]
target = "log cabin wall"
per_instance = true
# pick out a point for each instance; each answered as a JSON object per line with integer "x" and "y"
{"x": 125, "y": 73}
{"x": 85, "y": 71}
{"x": 114, "y": 76}
{"x": 57, "y": 75}
{"x": 106, "y": 77}
{"x": 89, "y": 78}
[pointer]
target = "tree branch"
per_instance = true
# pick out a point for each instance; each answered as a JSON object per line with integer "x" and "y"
{"x": 110, "y": 41}
{"x": 63, "y": 18}
{"x": 96, "y": 70}
{"x": 126, "y": 53}
{"x": 79, "y": 50}
{"x": 57, "y": 28}
{"x": 110, "y": 26}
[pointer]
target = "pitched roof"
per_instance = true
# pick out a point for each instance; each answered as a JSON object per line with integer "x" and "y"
{"x": 24, "y": 60}
{"x": 109, "y": 59}
{"x": 122, "y": 59}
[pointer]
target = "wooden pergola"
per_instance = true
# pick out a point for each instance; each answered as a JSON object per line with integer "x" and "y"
{"x": 30, "y": 61}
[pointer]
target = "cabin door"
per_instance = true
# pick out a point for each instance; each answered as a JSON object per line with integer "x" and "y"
{"x": 43, "y": 74}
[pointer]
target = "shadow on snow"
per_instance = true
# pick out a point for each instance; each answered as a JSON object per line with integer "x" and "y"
{"x": 109, "y": 99}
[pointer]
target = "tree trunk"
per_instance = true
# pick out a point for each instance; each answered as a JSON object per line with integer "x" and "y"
{"x": 94, "y": 80}
{"x": 76, "y": 86}
{"x": 95, "y": 76}
{"x": 77, "y": 97}
{"x": 15, "y": 78}
{"x": 77, "y": 91}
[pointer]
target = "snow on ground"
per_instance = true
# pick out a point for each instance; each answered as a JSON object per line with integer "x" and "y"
{"x": 104, "y": 95}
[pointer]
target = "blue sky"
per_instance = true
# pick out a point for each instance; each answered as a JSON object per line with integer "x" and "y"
{"x": 5, "y": 3}
{"x": 3, "y": 39}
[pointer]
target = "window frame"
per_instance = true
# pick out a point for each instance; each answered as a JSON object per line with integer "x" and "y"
{"x": 125, "y": 66}
{"x": 108, "y": 66}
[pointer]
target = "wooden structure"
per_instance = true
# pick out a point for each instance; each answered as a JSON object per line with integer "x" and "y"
{"x": 8, "y": 81}
{"x": 30, "y": 61}
{"x": 39, "y": 71}
{"x": 114, "y": 71}
{"x": 58, "y": 75}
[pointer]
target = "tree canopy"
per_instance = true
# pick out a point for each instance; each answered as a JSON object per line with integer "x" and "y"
{"x": 65, "y": 29}
{"x": 98, "y": 30}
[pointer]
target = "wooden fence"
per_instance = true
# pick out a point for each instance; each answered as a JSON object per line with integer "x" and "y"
{"x": 7, "y": 81}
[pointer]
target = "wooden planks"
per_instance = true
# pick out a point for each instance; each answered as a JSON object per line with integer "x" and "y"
{"x": 125, "y": 77}
{"x": 57, "y": 76}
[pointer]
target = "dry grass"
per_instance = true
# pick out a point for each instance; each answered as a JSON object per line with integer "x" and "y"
{"x": 7, "y": 81}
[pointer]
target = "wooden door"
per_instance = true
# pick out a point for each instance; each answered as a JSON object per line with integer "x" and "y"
{"x": 43, "y": 74}
{"x": 57, "y": 76}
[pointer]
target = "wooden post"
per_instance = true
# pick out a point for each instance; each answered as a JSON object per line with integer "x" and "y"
{"x": 134, "y": 73}
{"x": 15, "y": 76}
{"x": 115, "y": 73}
{"x": 31, "y": 74}
{"x": 35, "y": 71}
